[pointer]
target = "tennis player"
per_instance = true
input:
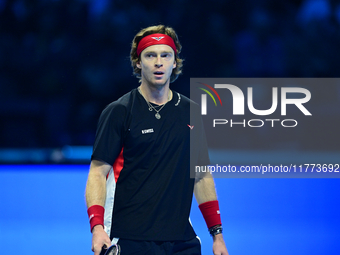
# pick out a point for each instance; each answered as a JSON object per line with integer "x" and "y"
{"x": 139, "y": 189}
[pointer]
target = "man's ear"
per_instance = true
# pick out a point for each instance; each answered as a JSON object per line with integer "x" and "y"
{"x": 174, "y": 65}
{"x": 138, "y": 65}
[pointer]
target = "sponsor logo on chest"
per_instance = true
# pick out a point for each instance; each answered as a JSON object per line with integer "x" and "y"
{"x": 147, "y": 131}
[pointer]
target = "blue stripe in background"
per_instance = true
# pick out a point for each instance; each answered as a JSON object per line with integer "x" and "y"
{"x": 43, "y": 208}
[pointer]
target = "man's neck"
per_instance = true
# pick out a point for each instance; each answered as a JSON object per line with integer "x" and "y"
{"x": 157, "y": 95}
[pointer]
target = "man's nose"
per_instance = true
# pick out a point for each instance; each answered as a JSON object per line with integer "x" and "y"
{"x": 158, "y": 62}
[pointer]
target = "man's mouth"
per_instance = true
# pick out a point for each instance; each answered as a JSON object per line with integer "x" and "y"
{"x": 158, "y": 74}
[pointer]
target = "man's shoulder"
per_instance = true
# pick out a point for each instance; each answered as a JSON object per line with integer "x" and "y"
{"x": 122, "y": 102}
{"x": 120, "y": 106}
{"x": 186, "y": 102}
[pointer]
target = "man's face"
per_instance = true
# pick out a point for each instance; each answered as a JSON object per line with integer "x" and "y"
{"x": 156, "y": 64}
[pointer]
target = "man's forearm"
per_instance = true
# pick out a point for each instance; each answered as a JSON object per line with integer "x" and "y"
{"x": 204, "y": 189}
{"x": 96, "y": 184}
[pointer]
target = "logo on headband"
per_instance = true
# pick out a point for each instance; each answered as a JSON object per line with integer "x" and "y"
{"x": 158, "y": 38}
{"x": 154, "y": 39}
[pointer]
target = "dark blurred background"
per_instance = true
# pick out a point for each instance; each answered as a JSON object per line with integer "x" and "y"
{"x": 63, "y": 61}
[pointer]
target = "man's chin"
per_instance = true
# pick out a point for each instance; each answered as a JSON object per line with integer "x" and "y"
{"x": 159, "y": 83}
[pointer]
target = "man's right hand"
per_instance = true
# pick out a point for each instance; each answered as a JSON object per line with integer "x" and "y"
{"x": 99, "y": 239}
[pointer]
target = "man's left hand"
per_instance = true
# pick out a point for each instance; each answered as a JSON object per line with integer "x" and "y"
{"x": 219, "y": 247}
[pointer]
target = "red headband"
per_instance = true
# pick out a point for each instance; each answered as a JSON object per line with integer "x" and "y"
{"x": 154, "y": 39}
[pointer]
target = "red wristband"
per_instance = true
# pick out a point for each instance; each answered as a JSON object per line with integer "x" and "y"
{"x": 96, "y": 215}
{"x": 211, "y": 213}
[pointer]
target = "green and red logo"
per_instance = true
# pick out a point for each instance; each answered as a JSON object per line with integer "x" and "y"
{"x": 204, "y": 97}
